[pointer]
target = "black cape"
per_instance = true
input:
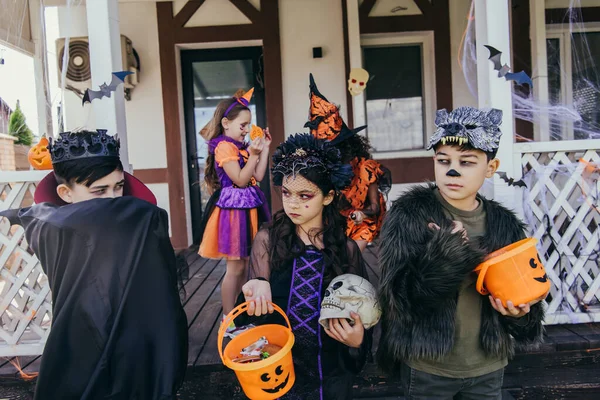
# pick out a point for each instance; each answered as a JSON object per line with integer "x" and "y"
{"x": 118, "y": 329}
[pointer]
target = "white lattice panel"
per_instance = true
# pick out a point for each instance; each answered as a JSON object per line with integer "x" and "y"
{"x": 25, "y": 301}
{"x": 561, "y": 207}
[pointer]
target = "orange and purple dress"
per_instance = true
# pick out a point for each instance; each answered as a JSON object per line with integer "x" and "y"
{"x": 366, "y": 172}
{"x": 237, "y": 212}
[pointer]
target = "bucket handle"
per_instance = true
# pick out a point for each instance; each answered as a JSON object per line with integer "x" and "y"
{"x": 482, "y": 270}
{"x": 234, "y": 314}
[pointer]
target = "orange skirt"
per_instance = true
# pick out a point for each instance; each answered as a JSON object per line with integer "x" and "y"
{"x": 229, "y": 233}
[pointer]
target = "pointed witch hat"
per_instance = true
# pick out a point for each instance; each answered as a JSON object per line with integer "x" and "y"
{"x": 244, "y": 101}
{"x": 325, "y": 121}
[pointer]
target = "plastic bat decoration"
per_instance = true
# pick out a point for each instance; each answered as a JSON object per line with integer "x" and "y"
{"x": 106, "y": 90}
{"x": 520, "y": 78}
{"x": 511, "y": 181}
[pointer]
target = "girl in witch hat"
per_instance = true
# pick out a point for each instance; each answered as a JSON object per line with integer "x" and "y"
{"x": 363, "y": 202}
{"x": 237, "y": 206}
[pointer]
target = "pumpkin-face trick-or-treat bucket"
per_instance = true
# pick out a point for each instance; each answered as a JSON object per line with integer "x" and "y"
{"x": 270, "y": 378}
{"x": 514, "y": 273}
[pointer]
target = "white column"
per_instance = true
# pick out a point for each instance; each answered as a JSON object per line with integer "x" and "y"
{"x": 105, "y": 58}
{"x": 40, "y": 68}
{"x": 539, "y": 59}
{"x": 355, "y": 52}
{"x": 492, "y": 28}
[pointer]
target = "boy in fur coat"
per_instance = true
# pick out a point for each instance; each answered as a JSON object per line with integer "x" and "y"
{"x": 448, "y": 341}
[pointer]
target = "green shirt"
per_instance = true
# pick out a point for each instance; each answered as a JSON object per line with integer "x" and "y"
{"x": 466, "y": 359}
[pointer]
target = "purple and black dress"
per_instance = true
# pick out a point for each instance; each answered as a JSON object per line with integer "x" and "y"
{"x": 324, "y": 367}
{"x": 233, "y": 214}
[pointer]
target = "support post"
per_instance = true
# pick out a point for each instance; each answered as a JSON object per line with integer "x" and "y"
{"x": 40, "y": 67}
{"x": 106, "y": 58}
{"x": 355, "y": 50}
{"x": 539, "y": 59}
{"x": 492, "y": 28}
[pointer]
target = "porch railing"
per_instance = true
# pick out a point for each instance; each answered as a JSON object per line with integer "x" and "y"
{"x": 25, "y": 301}
{"x": 561, "y": 207}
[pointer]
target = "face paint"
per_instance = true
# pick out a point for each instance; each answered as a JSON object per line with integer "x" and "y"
{"x": 453, "y": 172}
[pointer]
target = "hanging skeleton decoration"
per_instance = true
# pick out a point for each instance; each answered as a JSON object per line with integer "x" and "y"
{"x": 350, "y": 293}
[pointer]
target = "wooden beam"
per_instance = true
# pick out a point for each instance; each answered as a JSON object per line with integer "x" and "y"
{"x": 402, "y": 23}
{"x": 349, "y": 102}
{"x": 521, "y": 47}
{"x": 410, "y": 170}
{"x": 425, "y": 6}
{"x": 168, "y": 72}
{"x": 559, "y": 15}
{"x": 273, "y": 81}
{"x": 184, "y": 15}
{"x": 248, "y": 10}
{"x": 366, "y": 7}
{"x": 443, "y": 57}
{"x": 151, "y": 175}
{"x": 221, "y": 33}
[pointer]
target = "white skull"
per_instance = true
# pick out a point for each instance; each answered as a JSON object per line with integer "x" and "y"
{"x": 350, "y": 293}
{"x": 358, "y": 81}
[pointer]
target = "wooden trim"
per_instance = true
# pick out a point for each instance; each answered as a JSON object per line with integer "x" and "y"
{"x": 171, "y": 32}
{"x": 521, "y": 54}
{"x": 349, "y": 101}
{"x": 221, "y": 33}
{"x": 168, "y": 71}
{"x": 151, "y": 175}
{"x": 273, "y": 80}
{"x": 410, "y": 170}
{"x": 365, "y": 8}
{"x": 443, "y": 55}
{"x": 558, "y": 15}
{"x": 188, "y": 10}
{"x": 402, "y": 23}
{"x": 248, "y": 10}
{"x": 424, "y": 5}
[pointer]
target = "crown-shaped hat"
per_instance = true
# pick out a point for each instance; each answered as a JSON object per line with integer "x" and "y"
{"x": 325, "y": 121}
{"x": 244, "y": 101}
{"x": 84, "y": 144}
{"x": 479, "y": 128}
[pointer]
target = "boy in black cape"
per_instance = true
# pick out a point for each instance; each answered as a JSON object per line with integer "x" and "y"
{"x": 447, "y": 339}
{"x": 118, "y": 328}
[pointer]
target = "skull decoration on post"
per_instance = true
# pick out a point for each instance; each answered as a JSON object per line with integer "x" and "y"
{"x": 350, "y": 293}
{"x": 358, "y": 81}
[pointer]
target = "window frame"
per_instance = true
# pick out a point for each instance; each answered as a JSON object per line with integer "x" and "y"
{"x": 562, "y": 33}
{"x": 398, "y": 39}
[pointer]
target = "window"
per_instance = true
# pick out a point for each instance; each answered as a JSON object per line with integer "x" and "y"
{"x": 400, "y": 95}
{"x": 574, "y": 82}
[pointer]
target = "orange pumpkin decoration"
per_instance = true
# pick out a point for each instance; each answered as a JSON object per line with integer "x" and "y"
{"x": 39, "y": 155}
{"x": 256, "y": 132}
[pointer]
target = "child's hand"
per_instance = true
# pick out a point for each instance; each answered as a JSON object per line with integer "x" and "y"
{"x": 267, "y": 139}
{"x": 458, "y": 227}
{"x": 510, "y": 310}
{"x": 256, "y": 147}
{"x": 258, "y": 293}
{"x": 340, "y": 330}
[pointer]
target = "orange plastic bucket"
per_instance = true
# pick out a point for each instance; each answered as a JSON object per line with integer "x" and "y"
{"x": 514, "y": 273}
{"x": 270, "y": 378}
